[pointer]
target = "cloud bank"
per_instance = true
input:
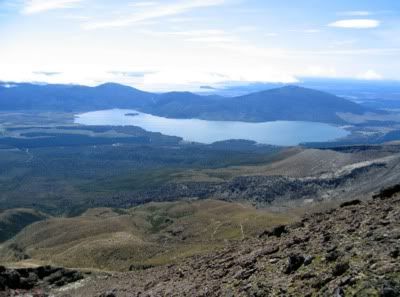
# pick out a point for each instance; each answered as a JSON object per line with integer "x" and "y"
{"x": 38, "y": 6}
{"x": 356, "y": 24}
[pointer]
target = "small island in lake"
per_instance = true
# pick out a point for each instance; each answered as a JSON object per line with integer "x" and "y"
{"x": 132, "y": 114}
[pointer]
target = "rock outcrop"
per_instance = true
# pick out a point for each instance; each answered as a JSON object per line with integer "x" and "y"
{"x": 16, "y": 281}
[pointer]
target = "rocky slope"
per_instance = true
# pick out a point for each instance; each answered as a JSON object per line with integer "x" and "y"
{"x": 350, "y": 177}
{"x": 15, "y": 282}
{"x": 349, "y": 251}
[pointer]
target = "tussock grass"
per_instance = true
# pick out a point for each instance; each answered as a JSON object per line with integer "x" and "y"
{"x": 151, "y": 234}
{"x": 14, "y": 220}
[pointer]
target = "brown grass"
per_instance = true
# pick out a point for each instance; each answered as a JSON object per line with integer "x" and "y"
{"x": 155, "y": 233}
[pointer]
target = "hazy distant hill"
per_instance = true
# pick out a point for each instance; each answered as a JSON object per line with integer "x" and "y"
{"x": 71, "y": 97}
{"x": 286, "y": 103}
{"x": 295, "y": 103}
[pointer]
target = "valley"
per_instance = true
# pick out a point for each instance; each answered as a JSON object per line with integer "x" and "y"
{"x": 199, "y": 148}
{"x": 109, "y": 199}
{"x": 185, "y": 200}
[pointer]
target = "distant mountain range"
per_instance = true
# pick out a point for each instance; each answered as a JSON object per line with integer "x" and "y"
{"x": 285, "y": 103}
{"x": 353, "y": 89}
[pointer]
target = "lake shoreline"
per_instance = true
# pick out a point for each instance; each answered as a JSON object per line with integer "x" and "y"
{"x": 283, "y": 133}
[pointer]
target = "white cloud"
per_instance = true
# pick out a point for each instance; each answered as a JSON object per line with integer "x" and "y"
{"x": 38, "y": 6}
{"x": 205, "y": 36}
{"x": 306, "y": 31}
{"x": 352, "y": 52}
{"x": 212, "y": 39}
{"x": 47, "y": 73}
{"x": 180, "y": 20}
{"x": 199, "y": 33}
{"x": 321, "y": 71}
{"x": 370, "y": 75}
{"x": 356, "y": 24}
{"x": 155, "y": 12}
{"x": 143, "y": 4}
{"x": 356, "y": 13}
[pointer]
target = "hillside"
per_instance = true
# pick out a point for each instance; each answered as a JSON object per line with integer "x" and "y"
{"x": 291, "y": 177}
{"x": 296, "y": 104}
{"x": 35, "y": 97}
{"x": 351, "y": 250}
{"x": 287, "y": 103}
{"x": 152, "y": 234}
{"x": 13, "y": 221}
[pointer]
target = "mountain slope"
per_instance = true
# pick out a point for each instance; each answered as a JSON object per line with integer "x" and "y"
{"x": 297, "y": 104}
{"x": 147, "y": 235}
{"x": 287, "y": 103}
{"x": 71, "y": 97}
{"x": 14, "y": 220}
{"x": 349, "y": 251}
{"x": 186, "y": 105}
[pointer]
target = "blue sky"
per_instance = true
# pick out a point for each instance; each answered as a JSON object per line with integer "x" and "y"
{"x": 181, "y": 44}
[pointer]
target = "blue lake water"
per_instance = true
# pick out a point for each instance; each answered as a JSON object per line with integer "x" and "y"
{"x": 194, "y": 130}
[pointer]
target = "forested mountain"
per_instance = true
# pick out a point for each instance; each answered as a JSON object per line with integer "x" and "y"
{"x": 286, "y": 103}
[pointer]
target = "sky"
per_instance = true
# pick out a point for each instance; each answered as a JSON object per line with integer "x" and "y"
{"x": 184, "y": 44}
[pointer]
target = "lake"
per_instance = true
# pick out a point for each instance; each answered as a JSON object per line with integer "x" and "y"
{"x": 194, "y": 130}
